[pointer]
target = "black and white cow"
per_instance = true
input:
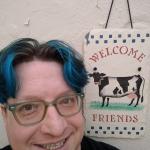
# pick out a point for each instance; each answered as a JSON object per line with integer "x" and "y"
{"x": 117, "y": 87}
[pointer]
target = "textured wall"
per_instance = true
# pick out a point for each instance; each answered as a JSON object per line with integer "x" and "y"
{"x": 70, "y": 20}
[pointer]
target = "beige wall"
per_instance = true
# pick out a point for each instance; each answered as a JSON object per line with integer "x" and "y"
{"x": 70, "y": 20}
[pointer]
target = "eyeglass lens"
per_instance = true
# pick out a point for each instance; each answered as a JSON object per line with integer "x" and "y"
{"x": 28, "y": 113}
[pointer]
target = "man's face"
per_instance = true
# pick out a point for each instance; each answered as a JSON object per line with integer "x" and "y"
{"x": 44, "y": 81}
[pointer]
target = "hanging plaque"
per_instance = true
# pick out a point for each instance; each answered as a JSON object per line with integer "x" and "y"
{"x": 118, "y": 65}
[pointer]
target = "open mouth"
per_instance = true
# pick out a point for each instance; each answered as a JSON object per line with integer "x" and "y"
{"x": 52, "y": 146}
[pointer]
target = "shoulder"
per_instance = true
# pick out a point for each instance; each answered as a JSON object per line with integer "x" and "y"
{"x": 89, "y": 144}
{"x": 6, "y": 148}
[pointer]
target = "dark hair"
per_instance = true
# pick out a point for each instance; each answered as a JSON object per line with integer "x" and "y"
{"x": 27, "y": 49}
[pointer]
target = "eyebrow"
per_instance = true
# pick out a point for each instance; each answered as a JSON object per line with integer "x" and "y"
{"x": 34, "y": 97}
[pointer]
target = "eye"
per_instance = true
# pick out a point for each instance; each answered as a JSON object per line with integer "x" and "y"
{"x": 68, "y": 101}
{"x": 27, "y": 109}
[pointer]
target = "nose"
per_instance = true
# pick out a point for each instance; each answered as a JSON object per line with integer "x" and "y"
{"x": 53, "y": 123}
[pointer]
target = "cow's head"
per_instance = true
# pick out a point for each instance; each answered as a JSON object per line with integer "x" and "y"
{"x": 96, "y": 75}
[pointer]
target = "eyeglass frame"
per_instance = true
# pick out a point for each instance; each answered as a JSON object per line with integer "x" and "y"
{"x": 12, "y": 107}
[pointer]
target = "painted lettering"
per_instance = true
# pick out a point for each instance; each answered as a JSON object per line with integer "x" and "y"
{"x": 117, "y": 50}
{"x": 121, "y": 118}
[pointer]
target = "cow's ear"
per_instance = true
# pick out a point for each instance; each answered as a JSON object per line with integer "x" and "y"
{"x": 90, "y": 75}
{"x": 102, "y": 74}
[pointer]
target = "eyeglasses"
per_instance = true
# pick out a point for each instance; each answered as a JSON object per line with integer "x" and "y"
{"x": 30, "y": 113}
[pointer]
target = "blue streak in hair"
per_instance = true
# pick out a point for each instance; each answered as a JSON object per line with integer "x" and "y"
{"x": 9, "y": 75}
{"x": 74, "y": 72}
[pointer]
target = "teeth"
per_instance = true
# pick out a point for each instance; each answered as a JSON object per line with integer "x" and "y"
{"x": 53, "y": 146}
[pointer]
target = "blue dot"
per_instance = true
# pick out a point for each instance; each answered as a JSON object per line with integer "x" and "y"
{"x": 147, "y": 35}
{"x": 101, "y": 36}
{"x": 105, "y": 41}
{"x": 125, "y": 128}
{"x": 129, "y": 35}
{"x": 88, "y": 131}
{"x": 97, "y": 42}
{"x": 110, "y": 36}
{"x": 104, "y": 132}
{"x": 117, "y": 128}
{"x": 142, "y": 40}
{"x": 108, "y": 128}
{"x": 142, "y": 128}
{"x": 115, "y": 41}
{"x": 138, "y": 35}
{"x": 124, "y": 41}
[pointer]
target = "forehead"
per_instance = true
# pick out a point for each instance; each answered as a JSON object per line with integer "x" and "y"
{"x": 42, "y": 78}
{"x": 36, "y": 66}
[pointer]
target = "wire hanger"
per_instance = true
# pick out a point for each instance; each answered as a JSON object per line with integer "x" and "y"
{"x": 111, "y": 10}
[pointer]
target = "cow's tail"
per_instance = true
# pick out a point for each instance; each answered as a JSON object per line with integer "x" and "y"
{"x": 142, "y": 89}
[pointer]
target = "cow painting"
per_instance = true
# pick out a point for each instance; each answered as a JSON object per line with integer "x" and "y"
{"x": 117, "y": 87}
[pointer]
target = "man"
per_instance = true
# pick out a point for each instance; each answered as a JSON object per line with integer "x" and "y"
{"x": 41, "y": 95}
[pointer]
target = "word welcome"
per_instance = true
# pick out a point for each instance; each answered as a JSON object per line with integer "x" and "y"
{"x": 117, "y": 50}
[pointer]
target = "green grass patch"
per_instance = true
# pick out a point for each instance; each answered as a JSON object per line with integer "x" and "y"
{"x": 115, "y": 106}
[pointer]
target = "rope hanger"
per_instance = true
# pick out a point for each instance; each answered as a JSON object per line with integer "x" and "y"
{"x": 111, "y": 10}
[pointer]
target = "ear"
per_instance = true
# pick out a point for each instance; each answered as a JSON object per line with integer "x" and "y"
{"x": 3, "y": 111}
{"x": 83, "y": 108}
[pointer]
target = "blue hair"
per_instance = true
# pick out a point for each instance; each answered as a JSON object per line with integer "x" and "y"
{"x": 27, "y": 49}
{"x": 7, "y": 76}
{"x": 74, "y": 71}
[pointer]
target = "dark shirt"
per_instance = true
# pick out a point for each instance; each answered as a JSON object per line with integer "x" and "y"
{"x": 87, "y": 144}
{"x": 6, "y": 148}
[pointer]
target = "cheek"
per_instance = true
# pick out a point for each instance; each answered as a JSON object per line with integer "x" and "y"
{"x": 17, "y": 134}
{"x": 77, "y": 122}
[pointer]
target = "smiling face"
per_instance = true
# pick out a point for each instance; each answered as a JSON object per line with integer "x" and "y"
{"x": 43, "y": 80}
